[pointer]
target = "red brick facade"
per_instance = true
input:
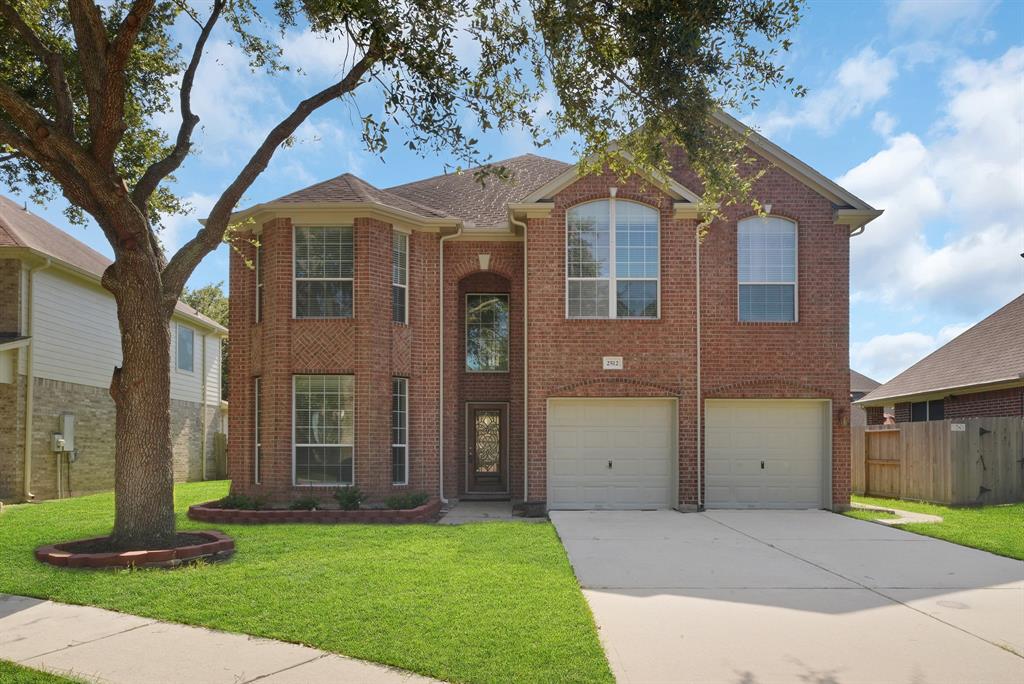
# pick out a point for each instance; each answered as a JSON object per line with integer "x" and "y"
{"x": 804, "y": 359}
{"x": 1004, "y": 402}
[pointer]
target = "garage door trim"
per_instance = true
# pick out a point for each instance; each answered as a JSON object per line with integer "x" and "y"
{"x": 674, "y": 453}
{"x": 825, "y": 490}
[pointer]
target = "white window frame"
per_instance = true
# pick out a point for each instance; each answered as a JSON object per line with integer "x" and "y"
{"x": 295, "y": 446}
{"x": 404, "y": 446}
{"x": 178, "y": 327}
{"x": 257, "y": 437}
{"x": 612, "y": 278}
{"x": 296, "y": 279}
{"x": 259, "y": 284}
{"x": 465, "y": 330}
{"x": 405, "y": 286}
{"x": 796, "y": 271}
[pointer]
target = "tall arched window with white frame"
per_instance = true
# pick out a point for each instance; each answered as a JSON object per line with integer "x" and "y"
{"x": 767, "y": 269}
{"x": 613, "y": 260}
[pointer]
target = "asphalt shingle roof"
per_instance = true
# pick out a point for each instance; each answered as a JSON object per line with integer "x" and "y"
{"x": 991, "y": 351}
{"x": 462, "y": 196}
{"x": 861, "y": 383}
{"x": 21, "y": 228}
{"x": 350, "y": 188}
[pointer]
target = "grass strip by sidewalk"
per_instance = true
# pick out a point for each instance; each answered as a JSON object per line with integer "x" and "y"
{"x": 998, "y": 529}
{"x": 491, "y": 602}
{"x": 16, "y": 674}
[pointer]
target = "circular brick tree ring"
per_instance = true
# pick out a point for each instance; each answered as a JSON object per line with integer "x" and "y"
{"x": 210, "y": 546}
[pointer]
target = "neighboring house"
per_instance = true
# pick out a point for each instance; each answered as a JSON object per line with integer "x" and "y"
{"x": 977, "y": 374}
{"x": 538, "y": 340}
{"x": 59, "y": 343}
{"x": 859, "y": 386}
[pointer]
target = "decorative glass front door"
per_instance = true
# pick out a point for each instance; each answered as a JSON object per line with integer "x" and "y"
{"x": 486, "y": 444}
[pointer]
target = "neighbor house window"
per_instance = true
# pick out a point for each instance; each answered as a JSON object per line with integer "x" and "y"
{"x": 257, "y": 429}
{"x": 399, "y": 431}
{"x": 921, "y": 411}
{"x": 324, "y": 429}
{"x": 185, "y": 348}
{"x": 766, "y": 251}
{"x": 487, "y": 333}
{"x": 259, "y": 282}
{"x": 399, "y": 277}
{"x": 324, "y": 267}
{"x": 612, "y": 260}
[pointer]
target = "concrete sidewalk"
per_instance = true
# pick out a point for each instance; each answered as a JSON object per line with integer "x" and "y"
{"x": 103, "y": 646}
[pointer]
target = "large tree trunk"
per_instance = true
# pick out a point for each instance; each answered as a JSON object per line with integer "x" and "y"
{"x": 143, "y": 462}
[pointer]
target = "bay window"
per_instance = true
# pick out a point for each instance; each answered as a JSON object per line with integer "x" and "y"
{"x": 324, "y": 424}
{"x": 324, "y": 270}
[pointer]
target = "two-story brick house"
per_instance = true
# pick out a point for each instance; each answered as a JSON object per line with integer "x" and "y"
{"x": 559, "y": 340}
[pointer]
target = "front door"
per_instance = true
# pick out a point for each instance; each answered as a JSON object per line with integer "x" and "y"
{"x": 486, "y": 447}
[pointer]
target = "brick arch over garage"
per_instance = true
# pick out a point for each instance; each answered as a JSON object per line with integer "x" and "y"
{"x": 620, "y": 387}
{"x": 773, "y": 387}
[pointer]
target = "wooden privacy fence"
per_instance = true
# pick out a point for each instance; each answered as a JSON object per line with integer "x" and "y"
{"x": 966, "y": 461}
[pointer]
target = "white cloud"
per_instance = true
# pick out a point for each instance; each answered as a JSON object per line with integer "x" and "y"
{"x": 859, "y": 82}
{"x": 934, "y": 16}
{"x": 327, "y": 55}
{"x": 177, "y": 230}
{"x": 884, "y": 356}
{"x": 969, "y": 176}
{"x": 883, "y": 123}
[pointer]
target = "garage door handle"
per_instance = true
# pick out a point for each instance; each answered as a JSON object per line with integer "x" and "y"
{"x": 762, "y": 465}
{"x": 609, "y": 464}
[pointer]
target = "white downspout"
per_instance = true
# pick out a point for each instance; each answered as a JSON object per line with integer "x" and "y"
{"x": 700, "y": 401}
{"x": 202, "y": 389}
{"x": 440, "y": 353}
{"x": 526, "y": 356}
{"x": 30, "y": 379}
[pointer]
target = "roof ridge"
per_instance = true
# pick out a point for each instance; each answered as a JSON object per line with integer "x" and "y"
{"x": 474, "y": 168}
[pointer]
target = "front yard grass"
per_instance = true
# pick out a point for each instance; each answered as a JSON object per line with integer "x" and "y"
{"x": 16, "y": 674}
{"x": 998, "y": 529}
{"x": 494, "y": 602}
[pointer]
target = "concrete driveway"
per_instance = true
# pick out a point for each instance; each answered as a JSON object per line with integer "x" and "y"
{"x": 793, "y": 596}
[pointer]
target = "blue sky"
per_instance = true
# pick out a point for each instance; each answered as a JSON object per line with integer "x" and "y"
{"x": 915, "y": 105}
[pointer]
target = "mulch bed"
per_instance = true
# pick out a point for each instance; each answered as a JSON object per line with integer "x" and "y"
{"x": 98, "y": 552}
{"x": 209, "y": 512}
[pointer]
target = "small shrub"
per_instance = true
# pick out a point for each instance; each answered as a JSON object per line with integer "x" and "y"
{"x": 306, "y": 503}
{"x": 401, "y": 502}
{"x": 349, "y": 498}
{"x": 241, "y": 502}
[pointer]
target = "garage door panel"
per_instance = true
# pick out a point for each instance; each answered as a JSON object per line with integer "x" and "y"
{"x": 764, "y": 453}
{"x": 636, "y": 436}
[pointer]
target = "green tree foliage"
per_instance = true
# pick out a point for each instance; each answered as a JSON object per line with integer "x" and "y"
{"x": 82, "y": 85}
{"x": 211, "y": 301}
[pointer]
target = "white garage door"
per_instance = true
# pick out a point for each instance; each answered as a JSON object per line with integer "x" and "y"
{"x": 765, "y": 454}
{"x": 611, "y": 453}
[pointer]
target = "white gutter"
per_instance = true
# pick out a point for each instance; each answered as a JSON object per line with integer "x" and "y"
{"x": 202, "y": 400}
{"x": 700, "y": 400}
{"x": 440, "y": 353}
{"x": 526, "y": 385}
{"x": 30, "y": 380}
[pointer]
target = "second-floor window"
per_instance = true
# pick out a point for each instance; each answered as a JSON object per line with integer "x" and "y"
{"x": 185, "y": 348}
{"x": 400, "y": 277}
{"x": 766, "y": 253}
{"x": 612, "y": 260}
{"x": 324, "y": 271}
{"x": 487, "y": 333}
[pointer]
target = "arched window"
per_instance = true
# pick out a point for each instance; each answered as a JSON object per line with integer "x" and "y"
{"x": 766, "y": 250}
{"x": 612, "y": 260}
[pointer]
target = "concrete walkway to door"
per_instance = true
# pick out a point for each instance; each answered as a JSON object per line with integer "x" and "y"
{"x": 754, "y": 597}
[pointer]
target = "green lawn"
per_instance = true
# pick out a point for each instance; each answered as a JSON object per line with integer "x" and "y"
{"x": 999, "y": 529}
{"x": 16, "y": 674}
{"x": 492, "y": 602}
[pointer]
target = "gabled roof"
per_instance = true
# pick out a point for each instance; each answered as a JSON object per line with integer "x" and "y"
{"x": 462, "y": 195}
{"x": 20, "y": 228}
{"x": 990, "y": 353}
{"x": 861, "y": 383}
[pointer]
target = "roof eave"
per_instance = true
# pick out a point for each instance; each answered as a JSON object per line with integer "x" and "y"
{"x": 262, "y": 212}
{"x": 939, "y": 392}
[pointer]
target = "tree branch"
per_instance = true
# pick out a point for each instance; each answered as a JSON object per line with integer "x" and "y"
{"x": 63, "y": 108}
{"x": 91, "y": 42}
{"x": 210, "y": 235}
{"x": 161, "y": 168}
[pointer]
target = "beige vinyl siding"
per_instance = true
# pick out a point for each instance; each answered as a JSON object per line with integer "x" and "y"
{"x": 76, "y": 339}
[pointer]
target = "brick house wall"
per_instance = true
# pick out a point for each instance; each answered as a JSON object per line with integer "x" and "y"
{"x": 1004, "y": 402}
{"x": 804, "y": 359}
